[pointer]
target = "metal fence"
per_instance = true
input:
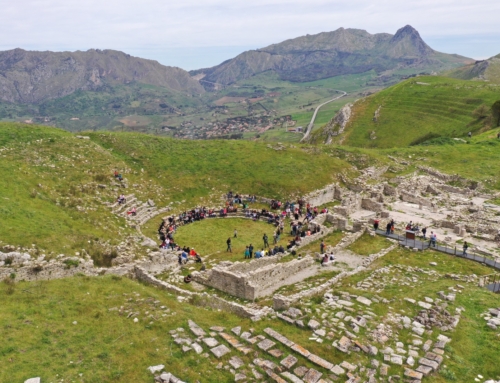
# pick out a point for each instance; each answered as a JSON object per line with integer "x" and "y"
{"x": 422, "y": 244}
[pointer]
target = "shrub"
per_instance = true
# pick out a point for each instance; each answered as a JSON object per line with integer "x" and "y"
{"x": 8, "y": 261}
{"x": 11, "y": 285}
{"x": 71, "y": 262}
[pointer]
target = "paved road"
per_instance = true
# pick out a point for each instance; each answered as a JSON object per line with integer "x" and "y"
{"x": 311, "y": 124}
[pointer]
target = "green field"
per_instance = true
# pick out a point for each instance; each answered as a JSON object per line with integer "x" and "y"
{"x": 420, "y": 109}
{"x": 209, "y": 237}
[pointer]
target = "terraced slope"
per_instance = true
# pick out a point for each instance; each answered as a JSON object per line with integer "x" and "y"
{"x": 419, "y": 109}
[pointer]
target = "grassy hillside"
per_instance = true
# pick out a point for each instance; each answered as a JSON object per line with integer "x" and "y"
{"x": 419, "y": 109}
{"x": 486, "y": 70}
{"x": 49, "y": 180}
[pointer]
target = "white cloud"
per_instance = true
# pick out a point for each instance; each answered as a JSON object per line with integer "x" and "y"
{"x": 158, "y": 26}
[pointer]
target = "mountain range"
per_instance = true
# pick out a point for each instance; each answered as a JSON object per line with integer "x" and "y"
{"x": 329, "y": 54}
{"x": 31, "y": 77}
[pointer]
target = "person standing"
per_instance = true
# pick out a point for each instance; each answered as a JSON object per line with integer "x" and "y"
{"x": 229, "y": 245}
{"x": 235, "y": 233}
{"x": 375, "y": 224}
{"x": 322, "y": 247}
{"x": 275, "y": 238}
{"x": 266, "y": 241}
{"x": 424, "y": 232}
{"x": 388, "y": 228}
{"x": 433, "y": 239}
{"x": 250, "y": 249}
{"x": 466, "y": 246}
{"x": 247, "y": 253}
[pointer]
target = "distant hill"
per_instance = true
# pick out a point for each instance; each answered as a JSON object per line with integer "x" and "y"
{"x": 418, "y": 110}
{"x": 31, "y": 77}
{"x": 488, "y": 70}
{"x": 329, "y": 54}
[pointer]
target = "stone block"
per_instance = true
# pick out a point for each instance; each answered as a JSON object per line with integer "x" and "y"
{"x": 289, "y": 361}
{"x": 210, "y": 342}
{"x": 413, "y": 374}
{"x": 300, "y": 371}
{"x": 312, "y": 376}
{"x": 266, "y": 344}
{"x": 276, "y": 353}
{"x": 220, "y": 351}
{"x": 291, "y": 377}
{"x": 320, "y": 362}
{"x": 301, "y": 350}
{"x": 337, "y": 370}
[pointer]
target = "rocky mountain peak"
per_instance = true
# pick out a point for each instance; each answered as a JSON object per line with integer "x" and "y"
{"x": 408, "y": 40}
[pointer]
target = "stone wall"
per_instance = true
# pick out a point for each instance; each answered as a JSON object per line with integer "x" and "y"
{"x": 371, "y": 205}
{"x": 262, "y": 276}
{"x": 281, "y": 302}
{"x": 416, "y": 199}
{"x": 48, "y": 270}
{"x": 325, "y": 195}
{"x": 202, "y": 299}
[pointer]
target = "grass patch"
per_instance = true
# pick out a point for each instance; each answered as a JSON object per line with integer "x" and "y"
{"x": 367, "y": 244}
{"x": 209, "y": 237}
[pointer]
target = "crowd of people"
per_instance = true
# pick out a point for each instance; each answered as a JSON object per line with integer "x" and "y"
{"x": 299, "y": 213}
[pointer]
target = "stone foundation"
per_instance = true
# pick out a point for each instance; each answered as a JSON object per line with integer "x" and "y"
{"x": 254, "y": 279}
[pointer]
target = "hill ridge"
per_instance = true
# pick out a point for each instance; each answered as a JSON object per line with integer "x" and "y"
{"x": 36, "y": 76}
{"x": 329, "y": 54}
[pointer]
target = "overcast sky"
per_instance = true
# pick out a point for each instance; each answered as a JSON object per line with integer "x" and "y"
{"x": 196, "y": 34}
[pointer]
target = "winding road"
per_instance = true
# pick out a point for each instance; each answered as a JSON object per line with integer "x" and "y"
{"x": 311, "y": 124}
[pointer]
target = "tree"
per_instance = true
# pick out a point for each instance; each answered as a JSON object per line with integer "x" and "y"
{"x": 495, "y": 111}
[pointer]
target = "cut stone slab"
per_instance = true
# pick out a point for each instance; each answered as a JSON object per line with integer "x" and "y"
{"x": 239, "y": 377}
{"x": 196, "y": 330}
{"x": 301, "y": 350}
{"x": 217, "y": 328}
{"x": 220, "y": 351}
{"x": 157, "y": 368}
{"x": 300, "y": 371}
{"x": 236, "y": 362}
{"x": 289, "y": 361}
{"x": 337, "y": 370}
{"x": 425, "y": 305}
{"x": 312, "y": 376}
{"x": 32, "y": 380}
{"x": 266, "y": 344}
{"x": 345, "y": 303}
{"x": 348, "y": 366}
{"x": 397, "y": 359}
{"x": 424, "y": 370}
{"x": 293, "y": 312}
{"x": 210, "y": 342}
{"x": 197, "y": 348}
{"x": 244, "y": 349}
{"x": 429, "y": 363}
{"x": 413, "y": 374}
{"x": 236, "y": 330}
{"x": 246, "y": 335}
{"x": 186, "y": 348}
{"x": 320, "y": 362}
{"x": 275, "y": 377}
{"x": 313, "y": 325}
{"x": 276, "y": 353}
{"x": 280, "y": 338}
{"x": 291, "y": 377}
{"x": 166, "y": 376}
{"x": 231, "y": 340}
{"x": 364, "y": 300}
